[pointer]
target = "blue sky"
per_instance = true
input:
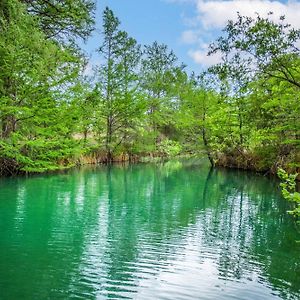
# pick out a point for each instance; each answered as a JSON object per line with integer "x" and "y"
{"x": 186, "y": 26}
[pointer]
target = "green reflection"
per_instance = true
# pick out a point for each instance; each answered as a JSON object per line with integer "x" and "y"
{"x": 129, "y": 231}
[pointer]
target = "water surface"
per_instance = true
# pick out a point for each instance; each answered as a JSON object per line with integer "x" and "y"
{"x": 169, "y": 231}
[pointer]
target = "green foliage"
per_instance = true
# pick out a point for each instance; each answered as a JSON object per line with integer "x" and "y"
{"x": 63, "y": 20}
{"x": 37, "y": 80}
{"x": 119, "y": 103}
{"x": 243, "y": 112}
{"x": 257, "y": 121}
{"x": 289, "y": 192}
{"x": 259, "y": 47}
{"x": 169, "y": 148}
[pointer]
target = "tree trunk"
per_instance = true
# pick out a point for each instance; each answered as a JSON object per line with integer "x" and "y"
{"x": 205, "y": 141}
{"x": 109, "y": 156}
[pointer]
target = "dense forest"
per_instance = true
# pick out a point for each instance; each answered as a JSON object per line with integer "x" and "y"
{"x": 141, "y": 102}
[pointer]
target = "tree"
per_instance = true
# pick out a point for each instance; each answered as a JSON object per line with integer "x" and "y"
{"x": 158, "y": 77}
{"x": 260, "y": 69}
{"x": 195, "y": 118}
{"x": 260, "y": 47}
{"x": 68, "y": 19}
{"x": 119, "y": 102}
{"x": 37, "y": 76}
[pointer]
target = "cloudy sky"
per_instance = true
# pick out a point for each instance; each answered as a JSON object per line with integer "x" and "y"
{"x": 186, "y": 26}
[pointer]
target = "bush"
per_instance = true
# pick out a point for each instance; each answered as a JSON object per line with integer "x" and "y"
{"x": 288, "y": 188}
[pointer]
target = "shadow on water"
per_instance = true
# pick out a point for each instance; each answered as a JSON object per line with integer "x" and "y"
{"x": 175, "y": 230}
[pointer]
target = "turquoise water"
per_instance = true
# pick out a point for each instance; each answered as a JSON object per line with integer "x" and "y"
{"x": 168, "y": 231}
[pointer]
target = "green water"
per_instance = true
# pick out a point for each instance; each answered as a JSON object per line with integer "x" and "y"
{"x": 169, "y": 231}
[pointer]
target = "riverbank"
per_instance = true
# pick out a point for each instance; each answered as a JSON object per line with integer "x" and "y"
{"x": 242, "y": 160}
{"x": 251, "y": 161}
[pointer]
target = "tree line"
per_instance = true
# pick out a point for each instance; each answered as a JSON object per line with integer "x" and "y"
{"x": 141, "y": 101}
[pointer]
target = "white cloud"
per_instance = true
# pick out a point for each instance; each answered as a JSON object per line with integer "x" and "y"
{"x": 189, "y": 37}
{"x": 213, "y": 15}
{"x": 200, "y": 57}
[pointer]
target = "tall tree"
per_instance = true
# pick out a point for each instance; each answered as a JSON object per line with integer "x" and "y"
{"x": 261, "y": 65}
{"x": 36, "y": 81}
{"x": 158, "y": 74}
{"x": 117, "y": 82}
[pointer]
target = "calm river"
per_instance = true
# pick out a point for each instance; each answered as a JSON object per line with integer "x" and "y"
{"x": 169, "y": 231}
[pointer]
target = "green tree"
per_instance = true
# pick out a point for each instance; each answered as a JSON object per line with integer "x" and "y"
{"x": 197, "y": 106}
{"x": 37, "y": 77}
{"x": 63, "y": 20}
{"x": 119, "y": 101}
{"x": 260, "y": 72}
{"x": 260, "y": 47}
{"x": 159, "y": 75}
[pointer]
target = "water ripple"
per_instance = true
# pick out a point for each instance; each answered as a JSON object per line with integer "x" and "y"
{"x": 146, "y": 233}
